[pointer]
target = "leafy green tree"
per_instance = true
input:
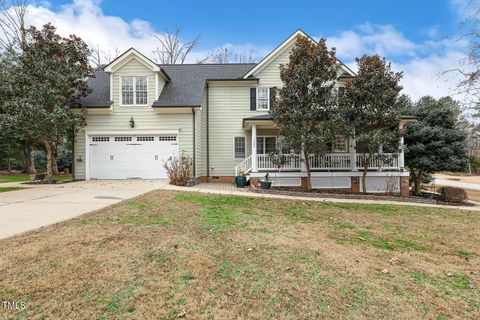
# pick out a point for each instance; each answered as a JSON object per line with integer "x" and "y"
{"x": 370, "y": 108}
{"x": 435, "y": 142}
{"x": 50, "y": 77}
{"x": 304, "y": 108}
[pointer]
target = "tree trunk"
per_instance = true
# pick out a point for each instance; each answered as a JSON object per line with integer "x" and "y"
{"x": 309, "y": 173}
{"x": 50, "y": 158}
{"x": 29, "y": 161}
{"x": 366, "y": 162}
{"x": 55, "y": 166}
{"x": 8, "y": 164}
{"x": 417, "y": 180}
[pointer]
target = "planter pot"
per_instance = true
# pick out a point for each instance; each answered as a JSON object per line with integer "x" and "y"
{"x": 240, "y": 181}
{"x": 265, "y": 184}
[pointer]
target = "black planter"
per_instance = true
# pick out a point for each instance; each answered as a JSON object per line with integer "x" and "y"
{"x": 240, "y": 181}
{"x": 265, "y": 184}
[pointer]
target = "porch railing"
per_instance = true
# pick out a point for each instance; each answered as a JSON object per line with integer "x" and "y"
{"x": 245, "y": 166}
{"x": 329, "y": 161}
{"x": 288, "y": 162}
{"x": 338, "y": 161}
{"x": 383, "y": 161}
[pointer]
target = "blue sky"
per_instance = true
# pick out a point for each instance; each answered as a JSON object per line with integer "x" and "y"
{"x": 417, "y": 36}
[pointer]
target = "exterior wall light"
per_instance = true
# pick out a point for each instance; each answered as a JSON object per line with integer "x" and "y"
{"x": 132, "y": 122}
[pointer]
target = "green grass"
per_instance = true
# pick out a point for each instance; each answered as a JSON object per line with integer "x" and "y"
{"x": 6, "y": 189}
{"x": 24, "y": 178}
{"x": 6, "y": 179}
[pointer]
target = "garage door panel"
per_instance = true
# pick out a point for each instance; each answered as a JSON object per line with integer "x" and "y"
{"x": 123, "y": 157}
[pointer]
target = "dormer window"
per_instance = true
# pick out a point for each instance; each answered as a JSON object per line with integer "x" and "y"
{"x": 134, "y": 91}
{"x": 263, "y": 98}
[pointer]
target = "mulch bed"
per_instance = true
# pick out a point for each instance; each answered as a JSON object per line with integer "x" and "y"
{"x": 346, "y": 194}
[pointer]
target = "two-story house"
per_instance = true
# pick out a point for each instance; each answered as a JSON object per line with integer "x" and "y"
{"x": 140, "y": 113}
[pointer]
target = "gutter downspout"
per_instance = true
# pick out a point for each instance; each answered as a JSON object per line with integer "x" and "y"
{"x": 194, "y": 146}
{"x": 208, "y": 135}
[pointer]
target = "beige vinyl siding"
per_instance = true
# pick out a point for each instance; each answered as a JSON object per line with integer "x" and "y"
{"x": 79, "y": 151}
{"x": 199, "y": 167}
{"x": 269, "y": 75}
{"x": 229, "y": 103}
{"x": 144, "y": 116}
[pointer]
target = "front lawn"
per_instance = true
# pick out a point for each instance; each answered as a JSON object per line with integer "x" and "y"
{"x": 25, "y": 178}
{"x": 6, "y": 189}
{"x": 169, "y": 255}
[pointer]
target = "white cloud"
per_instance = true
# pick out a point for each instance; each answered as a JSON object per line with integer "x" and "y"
{"x": 423, "y": 63}
{"x": 111, "y": 34}
{"x": 369, "y": 39}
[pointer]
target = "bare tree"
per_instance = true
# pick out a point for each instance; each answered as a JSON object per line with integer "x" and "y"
{"x": 12, "y": 23}
{"x": 99, "y": 57}
{"x": 224, "y": 55}
{"x": 469, "y": 67}
{"x": 171, "y": 49}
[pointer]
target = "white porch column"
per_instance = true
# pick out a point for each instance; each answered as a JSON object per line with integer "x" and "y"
{"x": 401, "y": 156}
{"x": 353, "y": 154}
{"x": 254, "y": 148}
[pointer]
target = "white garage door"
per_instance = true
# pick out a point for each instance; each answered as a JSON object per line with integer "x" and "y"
{"x": 130, "y": 157}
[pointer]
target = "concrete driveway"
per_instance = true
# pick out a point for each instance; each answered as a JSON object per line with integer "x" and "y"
{"x": 42, "y": 205}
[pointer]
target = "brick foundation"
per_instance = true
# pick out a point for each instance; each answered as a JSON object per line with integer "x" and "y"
{"x": 404, "y": 186}
{"x": 304, "y": 183}
{"x": 355, "y": 181}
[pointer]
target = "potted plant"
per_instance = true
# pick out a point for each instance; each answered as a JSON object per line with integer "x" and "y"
{"x": 241, "y": 180}
{"x": 266, "y": 183}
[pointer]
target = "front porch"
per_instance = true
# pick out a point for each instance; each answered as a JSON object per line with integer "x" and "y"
{"x": 340, "y": 169}
{"x": 344, "y": 156}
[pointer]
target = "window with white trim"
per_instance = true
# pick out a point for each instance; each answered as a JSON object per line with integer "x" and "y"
{"x": 239, "y": 149}
{"x": 266, "y": 145}
{"x": 134, "y": 91}
{"x": 340, "y": 144}
{"x": 263, "y": 98}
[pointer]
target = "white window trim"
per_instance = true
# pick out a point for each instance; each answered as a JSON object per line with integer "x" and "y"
{"x": 134, "y": 92}
{"x": 245, "y": 153}
{"x": 268, "y": 99}
{"x": 264, "y": 142}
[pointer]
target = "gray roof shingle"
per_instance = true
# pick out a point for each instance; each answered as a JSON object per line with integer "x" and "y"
{"x": 188, "y": 81}
{"x": 185, "y": 88}
{"x": 100, "y": 95}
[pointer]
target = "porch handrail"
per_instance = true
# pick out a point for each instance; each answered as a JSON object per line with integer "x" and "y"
{"x": 245, "y": 166}
{"x": 377, "y": 161}
{"x": 289, "y": 161}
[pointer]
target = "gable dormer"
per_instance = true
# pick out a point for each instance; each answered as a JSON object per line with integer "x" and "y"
{"x": 135, "y": 80}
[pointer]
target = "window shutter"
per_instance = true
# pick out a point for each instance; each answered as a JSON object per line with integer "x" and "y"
{"x": 253, "y": 99}
{"x": 273, "y": 92}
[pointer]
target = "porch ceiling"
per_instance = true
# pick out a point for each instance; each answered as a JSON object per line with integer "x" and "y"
{"x": 263, "y": 121}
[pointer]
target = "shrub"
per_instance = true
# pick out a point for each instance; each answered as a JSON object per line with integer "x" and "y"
{"x": 453, "y": 194}
{"x": 179, "y": 169}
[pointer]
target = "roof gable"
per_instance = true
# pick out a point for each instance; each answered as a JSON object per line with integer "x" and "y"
{"x": 284, "y": 46}
{"x": 127, "y": 56}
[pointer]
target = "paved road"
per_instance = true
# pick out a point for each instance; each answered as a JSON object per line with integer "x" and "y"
{"x": 453, "y": 183}
{"x": 42, "y": 205}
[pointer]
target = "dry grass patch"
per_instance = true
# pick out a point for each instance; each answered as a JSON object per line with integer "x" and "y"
{"x": 169, "y": 255}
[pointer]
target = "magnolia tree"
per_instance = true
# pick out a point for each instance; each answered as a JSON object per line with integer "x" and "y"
{"x": 435, "y": 142}
{"x": 304, "y": 109}
{"x": 370, "y": 109}
{"x": 50, "y": 76}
